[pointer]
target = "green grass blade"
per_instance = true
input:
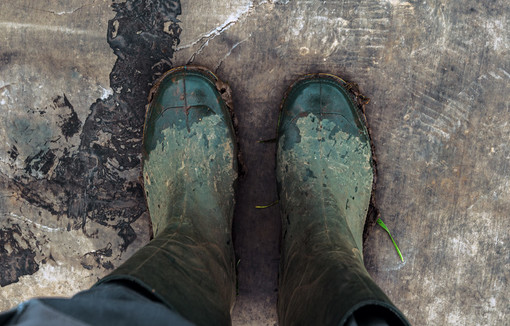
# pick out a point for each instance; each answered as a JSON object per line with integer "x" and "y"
{"x": 381, "y": 223}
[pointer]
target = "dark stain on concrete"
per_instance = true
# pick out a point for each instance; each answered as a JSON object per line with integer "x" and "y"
{"x": 13, "y": 153}
{"x": 96, "y": 259}
{"x": 126, "y": 233}
{"x": 16, "y": 256}
{"x": 6, "y": 58}
{"x": 41, "y": 162}
{"x": 71, "y": 123}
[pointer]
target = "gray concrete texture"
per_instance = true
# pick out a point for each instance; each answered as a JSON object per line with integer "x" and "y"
{"x": 74, "y": 77}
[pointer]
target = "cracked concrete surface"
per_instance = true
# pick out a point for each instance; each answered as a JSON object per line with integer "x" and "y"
{"x": 437, "y": 73}
{"x": 222, "y": 17}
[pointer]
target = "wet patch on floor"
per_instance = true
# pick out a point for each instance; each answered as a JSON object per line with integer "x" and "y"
{"x": 65, "y": 176}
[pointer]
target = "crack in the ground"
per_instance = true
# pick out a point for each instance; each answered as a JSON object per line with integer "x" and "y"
{"x": 229, "y": 53}
{"x": 229, "y": 22}
{"x": 59, "y": 13}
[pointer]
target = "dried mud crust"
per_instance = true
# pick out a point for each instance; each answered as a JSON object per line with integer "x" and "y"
{"x": 226, "y": 95}
{"x": 360, "y": 101}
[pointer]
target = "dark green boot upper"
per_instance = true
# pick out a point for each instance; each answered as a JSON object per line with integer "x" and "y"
{"x": 325, "y": 175}
{"x": 189, "y": 170}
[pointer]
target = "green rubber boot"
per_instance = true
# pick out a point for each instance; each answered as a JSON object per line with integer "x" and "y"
{"x": 325, "y": 174}
{"x": 189, "y": 170}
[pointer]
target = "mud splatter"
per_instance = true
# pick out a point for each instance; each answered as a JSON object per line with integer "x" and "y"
{"x": 71, "y": 124}
{"x": 99, "y": 181}
{"x": 16, "y": 256}
{"x": 13, "y": 153}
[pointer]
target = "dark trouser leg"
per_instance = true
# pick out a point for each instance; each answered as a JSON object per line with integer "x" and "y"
{"x": 107, "y": 304}
{"x": 187, "y": 273}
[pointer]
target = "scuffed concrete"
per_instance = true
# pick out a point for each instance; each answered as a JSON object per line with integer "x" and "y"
{"x": 437, "y": 73}
{"x": 198, "y": 30}
{"x": 71, "y": 202}
{"x": 54, "y": 64}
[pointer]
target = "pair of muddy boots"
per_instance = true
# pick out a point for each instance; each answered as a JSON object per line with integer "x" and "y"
{"x": 324, "y": 174}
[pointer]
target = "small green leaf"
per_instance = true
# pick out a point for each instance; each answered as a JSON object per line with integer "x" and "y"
{"x": 272, "y": 140}
{"x": 266, "y": 206}
{"x": 381, "y": 223}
